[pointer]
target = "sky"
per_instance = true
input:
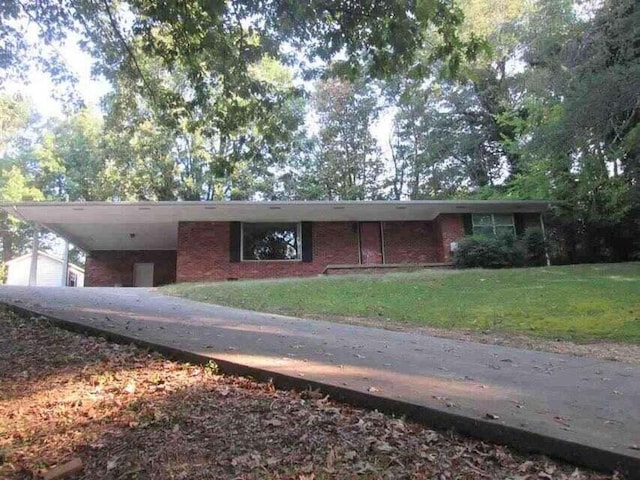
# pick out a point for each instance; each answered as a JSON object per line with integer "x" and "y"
{"x": 39, "y": 87}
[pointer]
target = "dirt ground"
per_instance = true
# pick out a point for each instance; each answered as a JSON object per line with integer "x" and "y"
{"x": 131, "y": 414}
{"x": 617, "y": 352}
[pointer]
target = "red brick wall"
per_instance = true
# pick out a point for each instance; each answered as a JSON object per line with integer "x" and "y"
{"x": 451, "y": 229}
{"x": 106, "y": 268}
{"x": 203, "y": 253}
{"x": 411, "y": 242}
{"x": 203, "y": 248}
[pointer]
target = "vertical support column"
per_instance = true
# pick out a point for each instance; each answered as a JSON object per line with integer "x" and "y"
{"x": 544, "y": 237}
{"x": 65, "y": 265}
{"x": 451, "y": 230}
{"x": 33, "y": 272}
{"x": 384, "y": 255}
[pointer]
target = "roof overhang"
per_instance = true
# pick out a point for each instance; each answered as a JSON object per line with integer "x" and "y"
{"x": 154, "y": 225}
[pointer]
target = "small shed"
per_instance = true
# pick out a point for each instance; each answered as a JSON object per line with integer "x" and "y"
{"x": 49, "y": 271}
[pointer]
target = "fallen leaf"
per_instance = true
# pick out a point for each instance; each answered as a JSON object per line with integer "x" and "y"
{"x": 72, "y": 467}
{"x": 384, "y": 447}
{"x": 112, "y": 463}
{"x": 130, "y": 388}
{"x": 525, "y": 466}
{"x": 350, "y": 455}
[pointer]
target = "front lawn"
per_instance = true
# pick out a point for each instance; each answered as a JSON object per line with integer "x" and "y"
{"x": 577, "y": 302}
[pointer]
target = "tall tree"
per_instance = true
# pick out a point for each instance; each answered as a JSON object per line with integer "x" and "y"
{"x": 198, "y": 157}
{"x": 15, "y": 185}
{"x": 69, "y": 163}
{"x": 421, "y": 152}
{"x": 345, "y": 163}
{"x": 578, "y": 140}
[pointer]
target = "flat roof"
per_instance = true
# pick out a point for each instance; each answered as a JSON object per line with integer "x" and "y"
{"x": 154, "y": 225}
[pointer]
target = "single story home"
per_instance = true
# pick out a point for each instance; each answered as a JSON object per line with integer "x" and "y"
{"x": 155, "y": 243}
{"x": 48, "y": 273}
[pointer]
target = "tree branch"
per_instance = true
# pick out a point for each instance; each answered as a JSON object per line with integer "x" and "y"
{"x": 114, "y": 25}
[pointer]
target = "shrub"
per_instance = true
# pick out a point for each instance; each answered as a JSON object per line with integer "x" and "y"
{"x": 480, "y": 252}
{"x": 496, "y": 252}
{"x": 535, "y": 247}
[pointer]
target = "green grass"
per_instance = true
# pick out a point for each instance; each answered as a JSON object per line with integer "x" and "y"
{"x": 578, "y": 302}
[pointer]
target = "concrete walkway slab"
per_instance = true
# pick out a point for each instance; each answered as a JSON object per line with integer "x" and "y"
{"x": 581, "y": 410}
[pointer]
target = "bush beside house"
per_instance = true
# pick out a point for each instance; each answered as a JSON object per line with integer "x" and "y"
{"x": 502, "y": 251}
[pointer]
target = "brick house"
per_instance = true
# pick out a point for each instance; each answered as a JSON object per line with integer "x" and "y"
{"x": 156, "y": 243}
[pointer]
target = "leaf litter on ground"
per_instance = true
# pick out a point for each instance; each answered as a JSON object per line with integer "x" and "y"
{"x": 129, "y": 413}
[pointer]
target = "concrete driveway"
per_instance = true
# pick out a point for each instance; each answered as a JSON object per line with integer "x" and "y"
{"x": 583, "y": 410}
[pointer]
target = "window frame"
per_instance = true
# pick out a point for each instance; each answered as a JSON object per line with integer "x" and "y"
{"x": 299, "y": 241}
{"x": 493, "y": 223}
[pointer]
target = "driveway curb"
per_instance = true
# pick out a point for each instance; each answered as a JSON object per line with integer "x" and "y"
{"x": 484, "y": 429}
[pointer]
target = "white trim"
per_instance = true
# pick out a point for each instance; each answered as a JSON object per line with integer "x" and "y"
{"x": 298, "y": 242}
{"x": 544, "y": 239}
{"x": 35, "y": 249}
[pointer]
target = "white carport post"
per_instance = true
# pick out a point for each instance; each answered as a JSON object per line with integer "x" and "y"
{"x": 65, "y": 264}
{"x": 33, "y": 272}
{"x": 544, "y": 238}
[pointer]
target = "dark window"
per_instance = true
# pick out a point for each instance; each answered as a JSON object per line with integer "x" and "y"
{"x": 271, "y": 241}
{"x": 72, "y": 279}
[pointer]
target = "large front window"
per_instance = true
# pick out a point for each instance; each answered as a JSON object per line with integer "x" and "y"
{"x": 271, "y": 241}
{"x": 493, "y": 224}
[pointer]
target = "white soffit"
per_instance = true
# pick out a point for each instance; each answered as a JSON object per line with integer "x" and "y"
{"x": 154, "y": 225}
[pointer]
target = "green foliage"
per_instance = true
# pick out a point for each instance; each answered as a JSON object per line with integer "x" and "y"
{"x": 528, "y": 249}
{"x": 69, "y": 163}
{"x": 211, "y": 368}
{"x": 479, "y": 252}
{"x": 200, "y": 157}
{"x": 15, "y": 187}
{"x": 490, "y": 252}
{"x": 14, "y": 115}
{"x": 345, "y": 163}
{"x": 535, "y": 247}
{"x": 216, "y": 42}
